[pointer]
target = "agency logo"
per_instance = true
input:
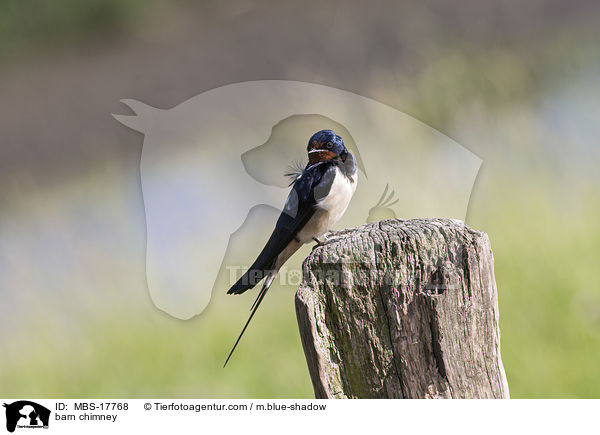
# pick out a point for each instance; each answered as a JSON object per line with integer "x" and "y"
{"x": 24, "y": 414}
{"x": 213, "y": 175}
{"x": 383, "y": 209}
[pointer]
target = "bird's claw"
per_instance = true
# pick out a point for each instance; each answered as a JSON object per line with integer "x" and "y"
{"x": 319, "y": 243}
{"x": 328, "y": 235}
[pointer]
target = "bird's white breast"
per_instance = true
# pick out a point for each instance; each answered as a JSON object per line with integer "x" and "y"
{"x": 340, "y": 194}
{"x": 330, "y": 207}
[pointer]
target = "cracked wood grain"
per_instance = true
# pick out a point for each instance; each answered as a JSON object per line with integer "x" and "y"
{"x": 402, "y": 309}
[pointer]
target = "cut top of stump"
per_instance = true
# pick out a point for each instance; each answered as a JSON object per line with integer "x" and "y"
{"x": 402, "y": 309}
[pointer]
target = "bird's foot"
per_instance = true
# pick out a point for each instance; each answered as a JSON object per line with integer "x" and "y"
{"x": 319, "y": 243}
{"x": 325, "y": 237}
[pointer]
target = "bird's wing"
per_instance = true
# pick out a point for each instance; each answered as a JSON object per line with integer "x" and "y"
{"x": 299, "y": 208}
{"x": 314, "y": 183}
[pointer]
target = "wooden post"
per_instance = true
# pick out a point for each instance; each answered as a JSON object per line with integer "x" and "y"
{"x": 402, "y": 309}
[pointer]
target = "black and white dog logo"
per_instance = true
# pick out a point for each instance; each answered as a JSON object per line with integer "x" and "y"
{"x": 26, "y": 414}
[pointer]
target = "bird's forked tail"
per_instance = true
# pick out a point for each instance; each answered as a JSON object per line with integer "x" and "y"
{"x": 263, "y": 291}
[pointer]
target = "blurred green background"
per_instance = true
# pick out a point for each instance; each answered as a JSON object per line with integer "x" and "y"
{"x": 516, "y": 83}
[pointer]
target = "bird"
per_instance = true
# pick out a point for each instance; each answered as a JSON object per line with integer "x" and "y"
{"x": 320, "y": 194}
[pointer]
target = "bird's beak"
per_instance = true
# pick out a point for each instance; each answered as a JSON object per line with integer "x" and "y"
{"x": 317, "y": 156}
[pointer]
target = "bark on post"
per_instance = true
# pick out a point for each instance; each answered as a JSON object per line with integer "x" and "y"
{"x": 402, "y": 309}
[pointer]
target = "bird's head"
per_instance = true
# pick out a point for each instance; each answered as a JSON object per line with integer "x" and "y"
{"x": 325, "y": 145}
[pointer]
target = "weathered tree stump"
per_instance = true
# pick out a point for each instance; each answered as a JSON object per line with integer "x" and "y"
{"x": 402, "y": 309}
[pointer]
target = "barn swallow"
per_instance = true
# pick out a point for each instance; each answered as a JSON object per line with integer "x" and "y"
{"x": 319, "y": 197}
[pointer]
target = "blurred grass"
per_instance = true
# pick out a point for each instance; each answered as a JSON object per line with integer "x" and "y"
{"x": 122, "y": 353}
{"x": 546, "y": 263}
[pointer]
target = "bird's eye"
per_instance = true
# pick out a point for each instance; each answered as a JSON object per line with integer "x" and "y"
{"x": 329, "y": 145}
